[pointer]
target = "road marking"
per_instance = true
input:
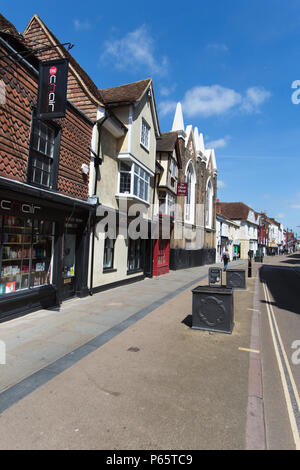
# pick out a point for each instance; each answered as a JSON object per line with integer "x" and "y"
{"x": 284, "y": 354}
{"x": 250, "y": 350}
{"x": 278, "y": 345}
{"x": 253, "y": 310}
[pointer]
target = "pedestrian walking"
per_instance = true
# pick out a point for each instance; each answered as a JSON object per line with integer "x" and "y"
{"x": 226, "y": 259}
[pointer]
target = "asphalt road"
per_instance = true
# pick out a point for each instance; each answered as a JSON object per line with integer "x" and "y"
{"x": 279, "y": 298}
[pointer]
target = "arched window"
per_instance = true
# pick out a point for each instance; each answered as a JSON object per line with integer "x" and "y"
{"x": 190, "y": 197}
{"x": 209, "y": 205}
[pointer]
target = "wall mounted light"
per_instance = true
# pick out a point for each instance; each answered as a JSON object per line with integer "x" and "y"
{"x": 84, "y": 168}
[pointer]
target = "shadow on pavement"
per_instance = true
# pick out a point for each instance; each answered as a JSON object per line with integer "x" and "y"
{"x": 188, "y": 321}
{"x": 292, "y": 259}
{"x": 283, "y": 283}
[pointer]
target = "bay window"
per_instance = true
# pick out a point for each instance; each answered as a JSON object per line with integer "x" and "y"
{"x": 134, "y": 181}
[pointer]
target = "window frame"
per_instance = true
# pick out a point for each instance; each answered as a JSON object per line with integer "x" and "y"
{"x": 137, "y": 250}
{"x": 113, "y": 240}
{"x": 146, "y": 179}
{"x": 34, "y": 153}
{"x": 145, "y": 124}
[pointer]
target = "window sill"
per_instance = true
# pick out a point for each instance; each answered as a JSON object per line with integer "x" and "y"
{"x": 134, "y": 271}
{"x": 131, "y": 197}
{"x": 145, "y": 148}
{"x": 109, "y": 270}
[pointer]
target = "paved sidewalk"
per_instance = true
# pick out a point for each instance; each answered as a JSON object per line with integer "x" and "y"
{"x": 96, "y": 378}
{"x": 40, "y": 338}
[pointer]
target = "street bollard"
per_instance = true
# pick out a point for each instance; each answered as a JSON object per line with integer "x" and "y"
{"x": 249, "y": 268}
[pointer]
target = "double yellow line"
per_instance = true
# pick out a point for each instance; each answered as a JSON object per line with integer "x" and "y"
{"x": 283, "y": 361}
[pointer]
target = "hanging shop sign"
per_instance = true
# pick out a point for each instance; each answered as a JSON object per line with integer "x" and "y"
{"x": 182, "y": 189}
{"x": 52, "y": 94}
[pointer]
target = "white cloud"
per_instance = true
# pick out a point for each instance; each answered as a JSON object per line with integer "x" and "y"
{"x": 166, "y": 107}
{"x": 295, "y": 206}
{"x": 82, "y": 25}
{"x": 216, "y": 100}
{"x": 280, "y": 215}
{"x": 135, "y": 50}
{"x": 221, "y": 184}
{"x": 167, "y": 91}
{"x": 218, "y": 143}
{"x": 254, "y": 98}
{"x": 209, "y": 100}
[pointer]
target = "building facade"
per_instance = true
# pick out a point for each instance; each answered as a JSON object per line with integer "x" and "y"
{"x": 45, "y": 210}
{"x": 168, "y": 165}
{"x": 248, "y": 221}
{"x": 194, "y": 240}
{"x": 121, "y": 244}
{"x": 227, "y": 238}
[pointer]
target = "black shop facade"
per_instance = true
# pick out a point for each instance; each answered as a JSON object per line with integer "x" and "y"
{"x": 44, "y": 248}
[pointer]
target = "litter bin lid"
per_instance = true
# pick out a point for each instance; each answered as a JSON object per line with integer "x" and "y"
{"x": 213, "y": 290}
{"x": 236, "y": 270}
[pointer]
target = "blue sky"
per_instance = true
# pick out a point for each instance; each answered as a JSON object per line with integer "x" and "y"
{"x": 230, "y": 63}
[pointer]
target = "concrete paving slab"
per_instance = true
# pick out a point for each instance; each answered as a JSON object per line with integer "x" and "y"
{"x": 157, "y": 385}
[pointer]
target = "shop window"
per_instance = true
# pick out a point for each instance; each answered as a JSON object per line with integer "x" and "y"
{"x": 26, "y": 253}
{"x": 69, "y": 251}
{"x": 108, "y": 258}
{"x": 44, "y": 150}
{"x": 134, "y": 255}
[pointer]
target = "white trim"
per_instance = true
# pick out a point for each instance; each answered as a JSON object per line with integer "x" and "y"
{"x": 148, "y": 127}
{"x": 92, "y": 161}
{"x": 191, "y": 218}
{"x": 132, "y": 176}
{"x": 129, "y": 156}
{"x": 131, "y": 196}
{"x": 130, "y": 129}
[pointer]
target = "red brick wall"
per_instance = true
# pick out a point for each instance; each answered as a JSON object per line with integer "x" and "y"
{"x": 21, "y": 89}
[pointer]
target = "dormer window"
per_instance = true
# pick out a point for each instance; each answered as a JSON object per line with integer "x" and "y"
{"x": 145, "y": 134}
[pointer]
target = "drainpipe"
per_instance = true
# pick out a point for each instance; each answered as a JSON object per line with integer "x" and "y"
{"x": 98, "y": 162}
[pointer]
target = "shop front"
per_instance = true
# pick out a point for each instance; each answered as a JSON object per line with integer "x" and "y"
{"x": 43, "y": 251}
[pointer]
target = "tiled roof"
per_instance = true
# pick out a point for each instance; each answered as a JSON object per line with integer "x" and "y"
{"x": 14, "y": 38}
{"x": 128, "y": 93}
{"x": 166, "y": 142}
{"x": 233, "y": 210}
{"x": 7, "y": 27}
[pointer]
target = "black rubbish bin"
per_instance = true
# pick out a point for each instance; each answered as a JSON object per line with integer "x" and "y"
{"x": 213, "y": 309}
{"x": 236, "y": 278}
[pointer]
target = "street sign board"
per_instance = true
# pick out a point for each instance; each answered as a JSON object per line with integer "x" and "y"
{"x": 215, "y": 276}
{"x": 181, "y": 189}
{"x": 52, "y": 93}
